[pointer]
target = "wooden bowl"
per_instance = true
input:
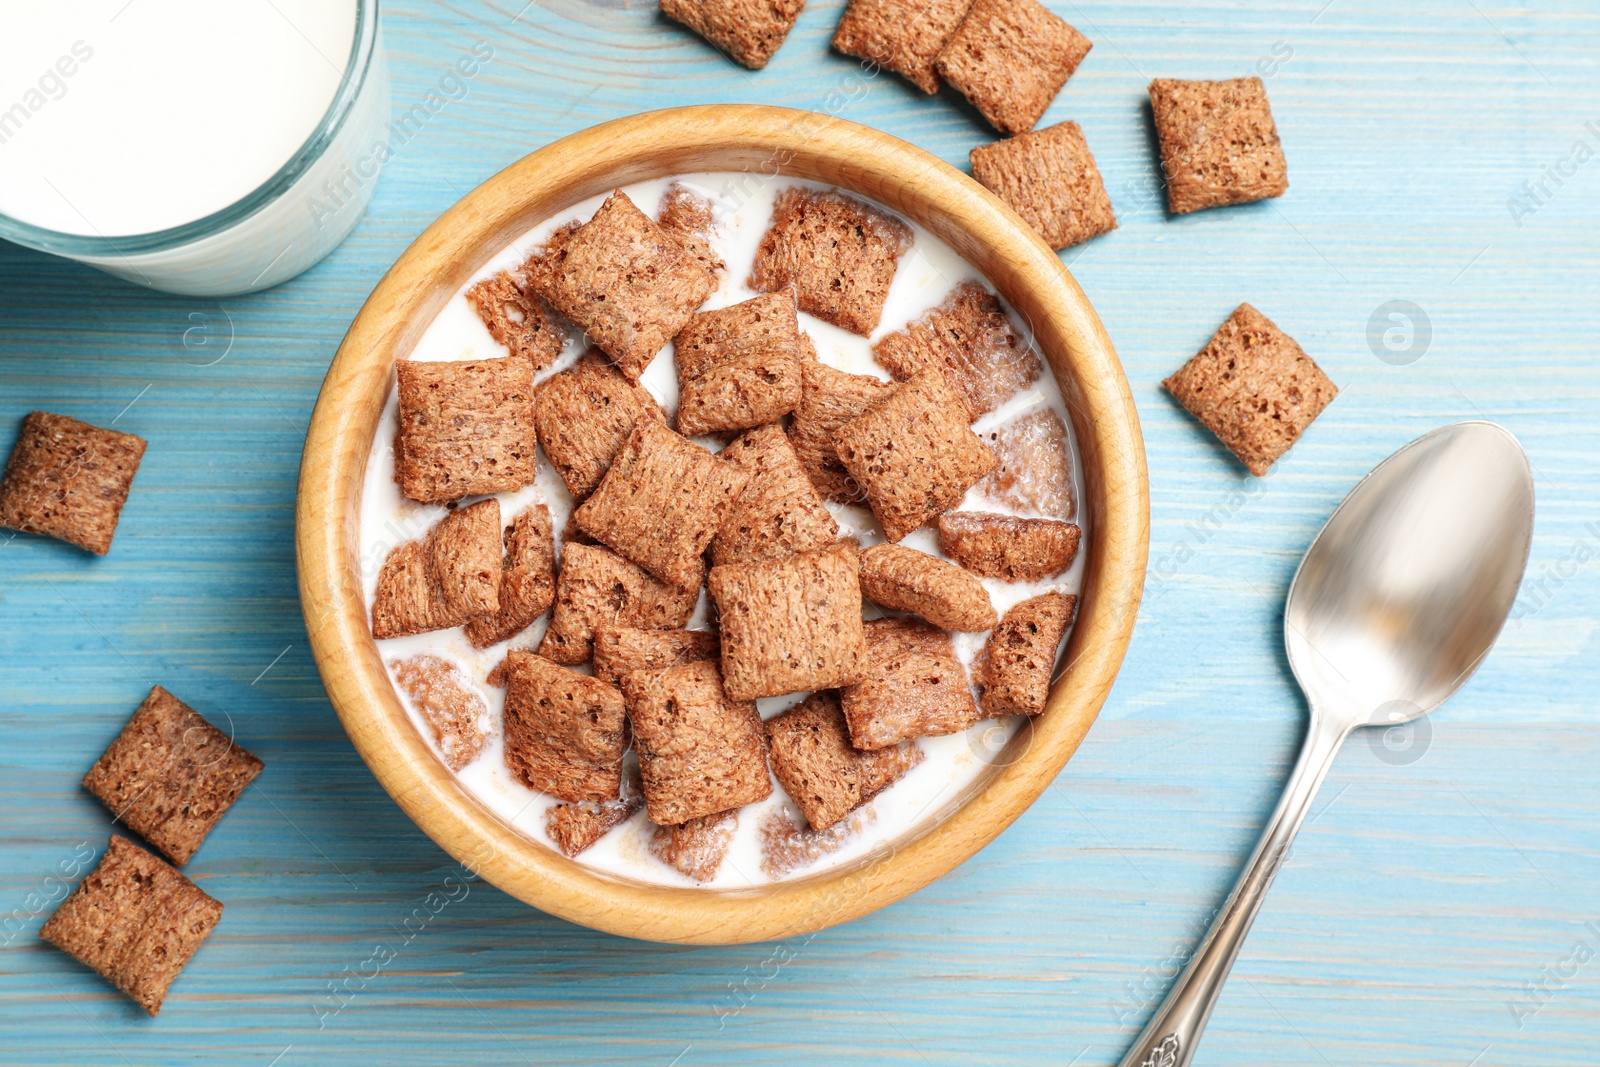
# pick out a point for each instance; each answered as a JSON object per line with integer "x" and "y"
{"x": 762, "y": 141}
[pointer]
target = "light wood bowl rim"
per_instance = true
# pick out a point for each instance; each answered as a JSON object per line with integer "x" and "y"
{"x": 683, "y": 140}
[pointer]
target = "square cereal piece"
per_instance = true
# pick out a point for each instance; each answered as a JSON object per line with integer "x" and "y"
{"x": 1050, "y": 179}
{"x": 515, "y": 316}
{"x": 565, "y": 732}
{"x": 786, "y": 846}
{"x": 626, "y": 282}
{"x": 466, "y": 428}
{"x": 1010, "y": 58}
{"x": 790, "y": 625}
{"x": 443, "y": 580}
{"x": 700, "y": 751}
{"x": 809, "y": 747}
{"x": 1219, "y": 145}
{"x": 69, "y": 480}
{"x": 780, "y": 512}
{"x": 584, "y": 415}
{"x": 695, "y": 848}
{"x": 838, "y": 253}
{"x": 136, "y": 921}
{"x": 170, "y": 775}
{"x": 1013, "y": 673}
{"x": 912, "y": 685}
{"x": 970, "y": 340}
{"x": 527, "y": 582}
{"x": 903, "y": 579}
{"x": 1006, "y": 547}
{"x": 620, "y": 650}
{"x": 596, "y": 588}
{"x": 691, "y": 218}
{"x": 738, "y": 366}
{"x": 661, "y": 503}
{"x": 1033, "y": 472}
{"x": 829, "y": 399}
{"x": 914, "y": 453}
{"x": 1253, "y": 387}
{"x": 749, "y": 32}
{"x": 574, "y": 827}
{"x": 904, "y": 36}
{"x": 454, "y": 710}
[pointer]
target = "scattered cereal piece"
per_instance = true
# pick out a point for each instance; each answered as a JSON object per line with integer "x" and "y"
{"x": 1219, "y": 145}
{"x": 749, "y": 32}
{"x": 1008, "y": 548}
{"x": 829, "y": 399}
{"x": 738, "y": 366}
{"x": 904, "y": 36}
{"x": 780, "y": 512}
{"x": 1014, "y": 672}
{"x": 135, "y": 920}
{"x": 696, "y": 847}
{"x": 584, "y": 415}
{"x": 691, "y": 218}
{"x": 444, "y": 580}
{"x": 466, "y": 428}
{"x": 1049, "y": 178}
{"x": 787, "y": 846}
{"x": 912, "y": 685}
{"x": 574, "y": 827}
{"x": 1010, "y": 58}
{"x": 661, "y": 503}
{"x": 1253, "y": 387}
{"x": 626, "y": 282}
{"x": 620, "y": 650}
{"x": 528, "y": 582}
{"x": 837, "y": 252}
{"x": 914, "y": 454}
{"x": 170, "y": 775}
{"x": 969, "y": 339}
{"x": 458, "y": 715}
{"x": 516, "y": 317}
{"x": 565, "y": 732}
{"x": 790, "y": 625}
{"x": 810, "y": 750}
{"x": 597, "y": 587}
{"x": 69, "y": 480}
{"x": 903, "y": 579}
{"x": 700, "y": 751}
{"x": 1034, "y": 468}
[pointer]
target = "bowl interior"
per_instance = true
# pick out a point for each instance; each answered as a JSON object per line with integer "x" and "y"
{"x": 767, "y": 144}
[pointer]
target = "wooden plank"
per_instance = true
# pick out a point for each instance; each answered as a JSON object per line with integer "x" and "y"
{"x": 1419, "y": 907}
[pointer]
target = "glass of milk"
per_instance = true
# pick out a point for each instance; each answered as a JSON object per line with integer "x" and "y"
{"x": 194, "y": 146}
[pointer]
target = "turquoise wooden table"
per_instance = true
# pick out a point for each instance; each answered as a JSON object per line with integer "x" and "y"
{"x": 1441, "y": 906}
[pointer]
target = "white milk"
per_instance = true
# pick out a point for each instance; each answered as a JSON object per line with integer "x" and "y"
{"x": 926, "y": 275}
{"x": 120, "y": 119}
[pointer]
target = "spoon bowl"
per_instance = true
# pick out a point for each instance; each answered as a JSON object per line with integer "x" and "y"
{"x": 1407, "y": 586}
{"x": 1397, "y": 601}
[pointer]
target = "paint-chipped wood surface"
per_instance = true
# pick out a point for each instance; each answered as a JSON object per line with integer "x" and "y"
{"x": 1441, "y": 907}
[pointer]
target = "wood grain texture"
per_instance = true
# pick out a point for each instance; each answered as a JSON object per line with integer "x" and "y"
{"x": 1420, "y": 902}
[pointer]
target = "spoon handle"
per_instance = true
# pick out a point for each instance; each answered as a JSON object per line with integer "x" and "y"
{"x": 1170, "y": 1037}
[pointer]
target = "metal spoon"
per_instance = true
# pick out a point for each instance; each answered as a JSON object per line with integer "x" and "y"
{"x": 1396, "y": 603}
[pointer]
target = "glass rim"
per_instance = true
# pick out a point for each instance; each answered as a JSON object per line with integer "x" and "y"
{"x": 362, "y": 51}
